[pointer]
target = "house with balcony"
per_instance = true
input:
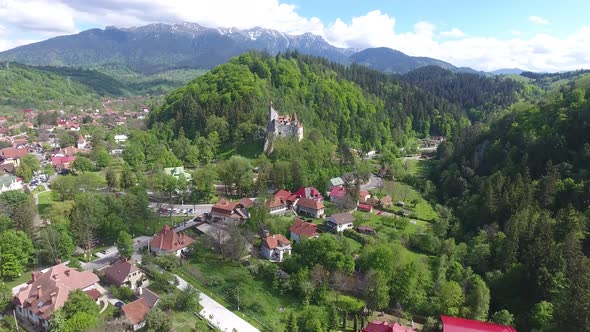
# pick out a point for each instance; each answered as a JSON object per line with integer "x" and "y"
{"x": 275, "y": 247}
{"x": 310, "y": 207}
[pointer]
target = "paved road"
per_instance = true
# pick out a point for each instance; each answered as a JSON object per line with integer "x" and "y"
{"x": 198, "y": 209}
{"x": 218, "y": 315}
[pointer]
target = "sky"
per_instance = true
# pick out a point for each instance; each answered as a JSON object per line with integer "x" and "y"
{"x": 538, "y": 35}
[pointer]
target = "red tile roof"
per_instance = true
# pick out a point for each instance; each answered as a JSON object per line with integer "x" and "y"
{"x": 136, "y": 311}
{"x": 311, "y": 203}
{"x": 246, "y": 202}
{"x": 365, "y": 207}
{"x": 169, "y": 240}
{"x": 455, "y": 324}
{"x": 364, "y": 193}
{"x": 93, "y": 293}
{"x": 386, "y": 200}
{"x": 283, "y": 194}
{"x": 308, "y": 192}
{"x": 303, "y": 228}
{"x": 338, "y": 192}
{"x": 224, "y": 207}
{"x": 13, "y": 153}
{"x": 275, "y": 202}
{"x": 56, "y": 161}
{"x": 274, "y": 241}
{"x": 386, "y": 327}
{"x": 49, "y": 290}
{"x": 118, "y": 272}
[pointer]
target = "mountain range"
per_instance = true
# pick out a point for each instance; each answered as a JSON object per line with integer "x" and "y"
{"x": 160, "y": 47}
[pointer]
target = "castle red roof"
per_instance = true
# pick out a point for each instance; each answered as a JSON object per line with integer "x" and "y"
{"x": 168, "y": 240}
{"x": 455, "y": 324}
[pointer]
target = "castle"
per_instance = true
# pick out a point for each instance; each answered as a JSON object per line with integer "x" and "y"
{"x": 279, "y": 126}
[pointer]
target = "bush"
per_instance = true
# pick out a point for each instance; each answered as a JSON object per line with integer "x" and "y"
{"x": 168, "y": 262}
{"x": 355, "y": 236}
{"x": 124, "y": 294}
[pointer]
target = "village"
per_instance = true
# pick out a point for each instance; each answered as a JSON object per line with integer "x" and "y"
{"x": 352, "y": 211}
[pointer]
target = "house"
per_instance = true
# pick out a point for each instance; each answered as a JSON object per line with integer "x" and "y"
{"x": 94, "y": 294}
{"x": 275, "y": 247}
{"x": 455, "y": 324}
{"x": 229, "y": 212}
{"x": 364, "y": 207}
{"x": 72, "y": 126}
{"x": 10, "y": 182}
{"x": 168, "y": 241}
{"x": 366, "y": 230}
{"x": 81, "y": 142}
{"x": 124, "y": 273}
{"x": 377, "y": 326}
{"x": 337, "y": 194}
{"x": 177, "y": 171}
{"x": 136, "y": 311}
{"x": 246, "y": 202}
{"x": 13, "y": 155}
{"x": 28, "y": 113}
{"x": 121, "y": 138}
{"x": 7, "y": 168}
{"x": 386, "y": 201}
{"x": 3, "y": 119}
{"x": 286, "y": 196}
{"x": 67, "y": 151}
{"x": 340, "y": 222}
{"x": 303, "y": 229}
{"x": 364, "y": 196}
{"x": 309, "y": 192}
{"x": 47, "y": 291}
{"x": 335, "y": 182}
{"x": 62, "y": 163}
{"x": 276, "y": 205}
{"x": 311, "y": 207}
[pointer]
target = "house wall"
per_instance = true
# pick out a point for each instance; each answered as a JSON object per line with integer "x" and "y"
{"x": 278, "y": 209}
{"x": 311, "y": 212}
{"x": 138, "y": 326}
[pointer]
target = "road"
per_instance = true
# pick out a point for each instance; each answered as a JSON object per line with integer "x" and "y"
{"x": 198, "y": 209}
{"x": 218, "y": 315}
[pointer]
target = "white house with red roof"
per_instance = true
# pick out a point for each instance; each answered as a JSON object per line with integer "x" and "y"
{"x": 10, "y": 182}
{"x": 275, "y": 247}
{"x": 47, "y": 291}
{"x": 310, "y": 207}
{"x": 303, "y": 229}
{"x": 169, "y": 241}
{"x": 340, "y": 222}
{"x": 456, "y": 324}
{"x": 337, "y": 194}
{"x": 136, "y": 311}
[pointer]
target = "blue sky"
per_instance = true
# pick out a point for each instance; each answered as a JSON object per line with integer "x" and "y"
{"x": 537, "y": 35}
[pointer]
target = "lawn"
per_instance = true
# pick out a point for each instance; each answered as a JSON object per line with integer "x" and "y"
{"x": 249, "y": 150}
{"x": 416, "y": 167}
{"x": 183, "y": 321}
{"x": 405, "y": 193}
{"x": 45, "y": 200}
{"x": 24, "y": 277}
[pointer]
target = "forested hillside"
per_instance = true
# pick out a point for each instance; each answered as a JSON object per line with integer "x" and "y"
{"x": 476, "y": 93}
{"x": 520, "y": 189}
{"x": 345, "y": 103}
{"x": 23, "y": 86}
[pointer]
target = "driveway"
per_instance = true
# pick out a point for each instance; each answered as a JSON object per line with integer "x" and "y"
{"x": 218, "y": 315}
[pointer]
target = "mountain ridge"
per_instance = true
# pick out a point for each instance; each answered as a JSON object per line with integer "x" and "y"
{"x": 159, "y": 47}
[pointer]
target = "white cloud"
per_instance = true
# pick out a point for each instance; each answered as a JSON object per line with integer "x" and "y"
{"x": 453, "y": 33}
{"x": 538, "y": 20}
{"x": 24, "y": 20}
{"x": 516, "y": 32}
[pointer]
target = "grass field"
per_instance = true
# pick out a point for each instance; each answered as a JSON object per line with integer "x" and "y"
{"x": 405, "y": 193}
{"x": 45, "y": 200}
{"x": 249, "y": 150}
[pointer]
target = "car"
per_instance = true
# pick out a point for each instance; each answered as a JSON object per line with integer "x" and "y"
{"x": 190, "y": 210}
{"x": 119, "y": 304}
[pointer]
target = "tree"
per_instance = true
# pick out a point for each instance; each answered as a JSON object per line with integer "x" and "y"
{"x": 542, "y": 315}
{"x": 291, "y": 323}
{"x": 20, "y": 208}
{"x": 157, "y": 321}
{"x": 31, "y": 161}
{"x": 55, "y": 244}
{"x": 25, "y": 172}
{"x": 112, "y": 178}
{"x": 49, "y": 170}
{"x": 187, "y": 300}
{"x": 125, "y": 244}
{"x": 77, "y": 302}
{"x": 377, "y": 293}
{"x": 102, "y": 157}
{"x": 82, "y": 164}
{"x": 5, "y": 295}
{"x": 16, "y": 249}
{"x": 503, "y": 317}
{"x": 450, "y": 298}
{"x": 87, "y": 214}
{"x": 477, "y": 299}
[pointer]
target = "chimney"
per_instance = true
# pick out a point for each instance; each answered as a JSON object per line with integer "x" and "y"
{"x": 67, "y": 273}
{"x": 140, "y": 291}
{"x": 53, "y": 296}
{"x": 39, "y": 292}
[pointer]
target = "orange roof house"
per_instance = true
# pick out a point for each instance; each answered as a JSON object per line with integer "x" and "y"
{"x": 48, "y": 291}
{"x": 303, "y": 229}
{"x": 169, "y": 241}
